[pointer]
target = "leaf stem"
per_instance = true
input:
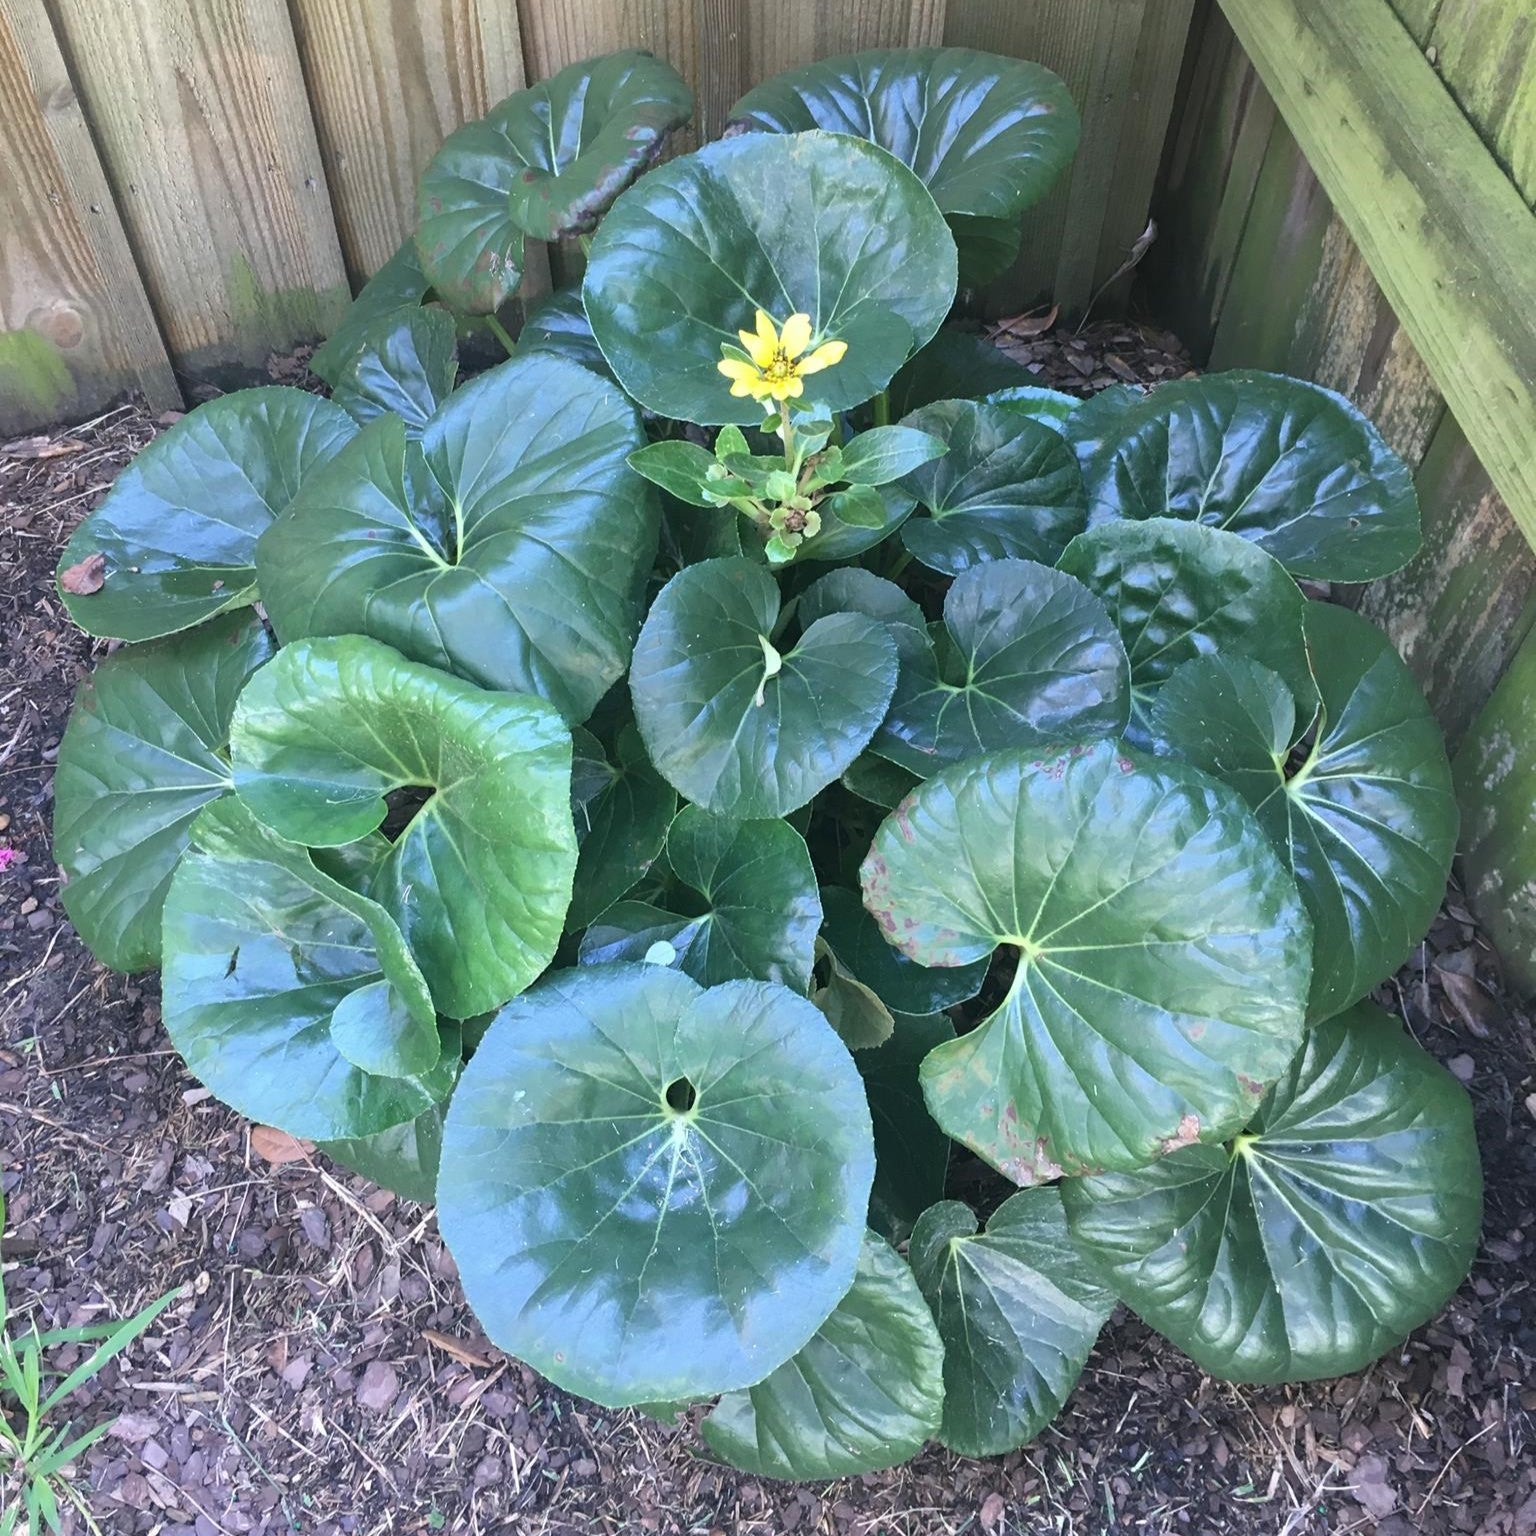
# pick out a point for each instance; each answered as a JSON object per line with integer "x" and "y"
{"x": 499, "y": 331}
{"x": 883, "y": 409}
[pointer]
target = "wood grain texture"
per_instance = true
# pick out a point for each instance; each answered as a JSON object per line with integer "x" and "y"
{"x": 200, "y": 112}
{"x": 76, "y": 328}
{"x": 785, "y": 36}
{"x": 1447, "y": 235}
{"x": 389, "y": 80}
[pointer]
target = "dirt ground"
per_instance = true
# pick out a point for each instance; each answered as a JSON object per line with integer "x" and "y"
{"x": 323, "y": 1375}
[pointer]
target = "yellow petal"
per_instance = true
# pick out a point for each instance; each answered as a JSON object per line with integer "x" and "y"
{"x": 824, "y": 356}
{"x": 794, "y": 387}
{"x": 734, "y": 368}
{"x": 796, "y": 336}
{"x": 762, "y": 346}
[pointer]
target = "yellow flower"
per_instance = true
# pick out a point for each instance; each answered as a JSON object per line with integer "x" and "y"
{"x": 774, "y": 367}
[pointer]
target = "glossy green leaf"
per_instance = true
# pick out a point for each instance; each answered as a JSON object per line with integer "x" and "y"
{"x": 394, "y": 291}
{"x": 1007, "y": 488}
{"x": 1031, "y": 658}
{"x": 734, "y": 724}
{"x": 633, "y": 1251}
{"x": 1163, "y": 955}
{"x": 814, "y": 223}
{"x": 1049, "y": 407}
{"x": 854, "y": 1010}
{"x": 883, "y": 454}
{"x": 1018, "y": 1312}
{"x": 903, "y": 985}
{"x": 1342, "y": 1219}
{"x": 761, "y": 909}
{"x": 143, "y": 753}
{"x": 261, "y": 950}
{"x": 681, "y": 469}
{"x": 866, "y": 1392}
{"x": 956, "y": 365}
{"x": 1365, "y": 815}
{"x": 1177, "y": 590}
{"x": 873, "y": 514}
{"x": 1098, "y": 418}
{"x": 403, "y": 1159}
{"x": 988, "y": 135}
{"x": 510, "y": 548}
{"x": 405, "y": 363}
{"x": 878, "y": 780}
{"x": 911, "y": 1152}
{"x": 558, "y": 323}
{"x": 624, "y": 832}
{"x": 480, "y": 879}
{"x": 853, "y": 590}
{"x": 1288, "y": 464}
{"x": 986, "y": 247}
{"x": 175, "y": 537}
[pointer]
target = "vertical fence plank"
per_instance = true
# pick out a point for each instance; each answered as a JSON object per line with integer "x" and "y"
{"x": 200, "y": 111}
{"x": 785, "y": 36}
{"x": 75, "y": 323}
{"x": 388, "y": 83}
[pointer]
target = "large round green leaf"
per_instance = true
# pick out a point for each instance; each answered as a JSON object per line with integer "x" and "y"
{"x": 511, "y": 548}
{"x": 1018, "y": 1312}
{"x": 1007, "y": 487}
{"x": 623, "y": 832}
{"x": 272, "y": 968}
{"x": 559, "y": 324}
{"x": 901, "y": 984}
{"x": 761, "y": 908}
{"x": 174, "y": 540}
{"x": 397, "y": 289}
{"x": 1177, "y": 590}
{"x": 988, "y": 135}
{"x": 911, "y": 1152}
{"x": 480, "y": 879}
{"x": 1030, "y": 657}
{"x": 1342, "y": 1219}
{"x": 1365, "y": 813}
{"x": 142, "y": 755}
{"x": 1163, "y": 953}
{"x": 1288, "y": 464}
{"x": 734, "y": 724}
{"x": 866, "y": 1392}
{"x": 403, "y": 1159}
{"x": 656, "y": 1192}
{"x": 405, "y": 362}
{"x": 812, "y": 223}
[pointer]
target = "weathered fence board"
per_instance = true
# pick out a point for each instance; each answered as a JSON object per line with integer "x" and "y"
{"x": 201, "y": 116}
{"x": 388, "y": 84}
{"x": 76, "y": 328}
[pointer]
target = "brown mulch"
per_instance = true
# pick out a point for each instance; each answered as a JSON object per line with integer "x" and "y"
{"x": 321, "y": 1373}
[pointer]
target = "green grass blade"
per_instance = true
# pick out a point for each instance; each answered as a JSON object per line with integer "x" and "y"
{"x": 114, "y": 1346}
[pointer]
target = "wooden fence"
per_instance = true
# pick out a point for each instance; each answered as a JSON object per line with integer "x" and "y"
{"x": 1347, "y": 195}
{"x": 187, "y": 186}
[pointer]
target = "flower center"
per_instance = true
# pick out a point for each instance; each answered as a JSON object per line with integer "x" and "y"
{"x": 779, "y": 367}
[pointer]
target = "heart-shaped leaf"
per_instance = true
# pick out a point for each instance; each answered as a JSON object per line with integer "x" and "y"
{"x": 1176, "y": 591}
{"x": 866, "y": 1392}
{"x": 883, "y": 454}
{"x": 559, "y": 324}
{"x": 406, "y": 363}
{"x": 1008, "y": 487}
{"x": 854, "y": 590}
{"x": 911, "y": 1152}
{"x": 254, "y": 1016}
{"x": 815, "y": 223}
{"x": 1018, "y": 1312}
{"x": 177, "y": 532}
{"x": 734, "y": 724}
{"x": 605, "y": 1184}
{"x": 1098, "y": 419}
{"x": 403, "y": 1159}
{"x": 511, "y": 547}
{"x": 142, "y": 755}
{"x": 1049, "y": 407}
{"x": 480, "y": 879}
{"x": 901, "y": 984}
{"x": 395, "y": 290}
{"x": 988, "y": 135}
{"x": 1342, "y": 1219}
{"x": 624, "y": 832}
{"x": 1288, "y": 464}
{"x": 761, "y": 909}
{"x": 1365, "y": 814}
{"x": 1163, "y": 953}
{"x": 1031, "y": 657}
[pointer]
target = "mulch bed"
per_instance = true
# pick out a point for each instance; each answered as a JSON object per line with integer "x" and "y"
{"x": 323, "y": 1375}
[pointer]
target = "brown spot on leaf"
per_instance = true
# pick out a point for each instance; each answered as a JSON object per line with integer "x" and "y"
{"x": 1187, "y": 1134}
{"x": 86, "y": 577}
